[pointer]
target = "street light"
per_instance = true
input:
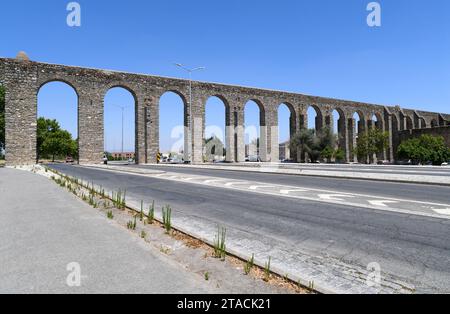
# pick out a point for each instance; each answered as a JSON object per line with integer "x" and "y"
{"x": 190, "y": 71}
{"x": 123, "y": 113}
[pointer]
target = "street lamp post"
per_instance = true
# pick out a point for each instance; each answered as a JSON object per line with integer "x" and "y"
{"x": 190, "y": 71}
{"x": 123, "y": 114}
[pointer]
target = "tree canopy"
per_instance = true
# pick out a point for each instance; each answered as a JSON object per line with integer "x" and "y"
{"x": 372, "y": 142}
{"x": 424, "y": 149}
{"x": 316, "y": 144}
{"x": 53, "y": 142}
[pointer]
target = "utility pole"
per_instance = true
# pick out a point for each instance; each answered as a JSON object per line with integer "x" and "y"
{"x": 190, "y": 71}
{"x": 123, "y": 120}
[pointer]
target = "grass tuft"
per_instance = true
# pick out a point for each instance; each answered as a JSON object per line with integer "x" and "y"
{"x": 167, "y": 218}
{"x": 249, "y": 265}
{"x": 267, "y": 270}
{"x": 219, "y": 243}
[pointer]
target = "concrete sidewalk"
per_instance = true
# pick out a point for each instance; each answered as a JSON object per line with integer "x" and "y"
{"x": 43, "y": 229}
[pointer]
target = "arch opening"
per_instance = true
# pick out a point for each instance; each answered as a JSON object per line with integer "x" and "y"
{"x": 315, "y": 118}
{"x": 215, "y": 145}
{"x": 120, "y": 125}
{"x": 173, "y": 128}
{"x": 287, "y": 126}
{"x": 57, "y": 123}
{"x": 254, "y": 122}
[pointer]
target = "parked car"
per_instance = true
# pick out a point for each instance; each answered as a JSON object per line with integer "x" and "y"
{"x": 69, "y": 160}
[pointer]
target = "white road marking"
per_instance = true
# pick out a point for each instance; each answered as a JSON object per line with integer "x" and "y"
{"x": 230, "y": 184}
{"x": 286, "y": 192}
{"x": 255, "y": 187}
{"x": 382, "y": 203}
{"x": 213, "y": 181}
{"x": 334, "y": 197}
{"x": 442, "y": 211}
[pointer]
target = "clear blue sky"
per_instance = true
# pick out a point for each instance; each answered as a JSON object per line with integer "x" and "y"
{"x": 319, "y": 47}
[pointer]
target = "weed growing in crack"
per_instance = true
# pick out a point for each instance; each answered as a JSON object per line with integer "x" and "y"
{"x": 131, "y": 225}
{"x": 311, "y": 286}
{"x": 141, "y": 215}
{"x": 219, "y": 243}
{"x": 207, "y": 276}
{"x": 143, "y": 234}
{"x": 249, "y": 265}
{"x": 151, "y": 213}
{"x": 267, "y": 270}
{"x": 110, "y": 215}
{"x": 167, "y": 218}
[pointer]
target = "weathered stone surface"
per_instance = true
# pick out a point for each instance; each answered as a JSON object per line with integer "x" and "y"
{"x": 23, "y": 79}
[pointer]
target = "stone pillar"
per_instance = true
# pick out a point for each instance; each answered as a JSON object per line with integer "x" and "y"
{"x": 273, "y": 145}
{"x": 293, "y": 154}
{"x": 351, "y": 135}
{"x": 343, "y": 131}
{"x": 140, "y": 130}
{"x": 90, "y": 126}
{"x": 19, "y": 81}
{"x": 152, "y": 130}
{"x": 239, "y": 138}
{"x": 229, "y": 135}
{"x": 188, "y": 133}
{"x": 197, "y": 132}
{"x": 390, "y": 150}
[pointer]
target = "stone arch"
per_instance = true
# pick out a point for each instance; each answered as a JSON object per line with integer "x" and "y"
{"x": 180, "y": 132}
{"x": 213, "y": 149}
{"x": 260, "y": 147}
{"x": 434, "y": 123}
{"x": 378, "y": 123}
{"x": 356, "y": 126}
{"x": 284, "y": 151}
{"x": 122, "y": 113}
{"x": 409, "y": 123}
{"x": 342, "y": 131}
{"x": 319, "y": 120}
{"x": 126, "y": 87}
{"x": 58, "y": 117}
{"x": 60, "y": 80}
{"x": 423, "y": 123}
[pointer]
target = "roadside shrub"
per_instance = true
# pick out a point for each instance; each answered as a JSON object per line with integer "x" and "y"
{"x": 424, "y": 149}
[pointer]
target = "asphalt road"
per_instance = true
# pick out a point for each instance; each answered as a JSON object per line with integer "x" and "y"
{"x": 381, "y": 169}
{"x": 413, "y": 248}
{"x": 419, "y": 192}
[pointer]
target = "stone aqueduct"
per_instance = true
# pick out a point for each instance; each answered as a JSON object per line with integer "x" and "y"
{"x": 23, "y": 79}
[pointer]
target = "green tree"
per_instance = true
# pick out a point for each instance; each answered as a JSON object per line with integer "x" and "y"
{"x": 2, "y": 116}
{"x": 370, "y": 143}
{"x": 327, "y": 153}
{"x": 425, "y": 148}
{"x": 316, "y": 144}
{"x": 52, "y": 141}
{"x": 339, "y": 155}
